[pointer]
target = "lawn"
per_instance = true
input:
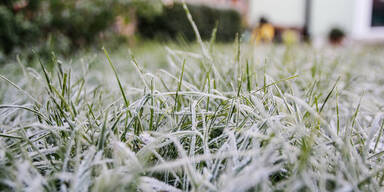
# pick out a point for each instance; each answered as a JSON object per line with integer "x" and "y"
{"x": 195, "y": 117}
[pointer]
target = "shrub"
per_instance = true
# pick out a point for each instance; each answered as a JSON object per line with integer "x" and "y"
{"x": 47, "y": 24}
{"x": 336, "y": 36}
{"x": 17, "y": 26}
{"x": 173, "y": 22}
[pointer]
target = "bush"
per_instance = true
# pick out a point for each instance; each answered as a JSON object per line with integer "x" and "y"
{"x": 173, "y": 22}
{"x": 336, "y": 36}
{"x": 62, "y": 25}
{"x": 33, "y": 23}
{"x": 17, "y": 26}
{"x": 81, "y": 22}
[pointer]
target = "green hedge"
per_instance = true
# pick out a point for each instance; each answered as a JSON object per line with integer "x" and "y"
{"x": 17, "y": 27}
{"x": 62, "y": 26}
{"x": 173, "y": 23}
{"x": 31, "y": 24}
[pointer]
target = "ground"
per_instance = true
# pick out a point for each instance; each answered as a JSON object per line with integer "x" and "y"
{"x": 195, "y": 117}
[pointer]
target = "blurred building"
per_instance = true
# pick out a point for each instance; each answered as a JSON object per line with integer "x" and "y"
{"x": 360, "y": 19}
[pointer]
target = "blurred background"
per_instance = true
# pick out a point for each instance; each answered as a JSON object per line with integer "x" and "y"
{"x": 65, "y": 26}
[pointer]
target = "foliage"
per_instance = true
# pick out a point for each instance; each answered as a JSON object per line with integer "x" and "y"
{"x": 17, "y": 25}
{"x": 173, "y": 23}
{"x": 65, "y": 24}
{"x": 336, "y": 34}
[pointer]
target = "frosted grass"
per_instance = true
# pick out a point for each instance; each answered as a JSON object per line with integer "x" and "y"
{"x": 227, "y": 118}
{"x": 286, "y": 124}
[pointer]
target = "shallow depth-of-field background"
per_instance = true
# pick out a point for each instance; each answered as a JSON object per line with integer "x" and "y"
{"x": 196, "y": 117}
